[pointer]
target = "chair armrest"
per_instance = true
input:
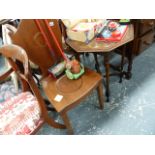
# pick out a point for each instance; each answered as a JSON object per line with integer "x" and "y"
{"x": 6, "y": 74}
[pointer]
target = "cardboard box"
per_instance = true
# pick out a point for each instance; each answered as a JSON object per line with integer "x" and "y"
{"x": 85, "y": 30}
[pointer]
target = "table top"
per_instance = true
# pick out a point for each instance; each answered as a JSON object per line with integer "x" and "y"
{"x": 100, "y": 46}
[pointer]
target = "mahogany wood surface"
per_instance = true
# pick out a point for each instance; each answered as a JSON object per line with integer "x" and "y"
{"x": 73, "y": 91}
{"x": 100, "y": 46}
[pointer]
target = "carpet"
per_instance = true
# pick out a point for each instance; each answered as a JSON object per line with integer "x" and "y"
{"x": 131, "y": 108}
{"x": 7, "y": 90}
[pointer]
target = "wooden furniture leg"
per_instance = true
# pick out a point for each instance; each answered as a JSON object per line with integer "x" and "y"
{"x": 100, "y": 95}
{"x": 107, "y": 69}
{"x": 122, "y": 63}
{"x": 77, "y": 55}
{"x": 97, "y": 67}
{"x": 67, "y": 123}
{"x": 37, "y": 79}
{"x": 130, "y": 61}
{"x": 52, "y": 123}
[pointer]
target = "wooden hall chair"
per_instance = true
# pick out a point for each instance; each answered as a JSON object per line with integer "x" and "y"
{"x": 25, "y": 113}
{"x": 71, "y": 92}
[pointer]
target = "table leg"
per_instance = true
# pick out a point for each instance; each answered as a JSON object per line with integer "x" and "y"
{"x": 122, "y": 63}
{"x": 77, "y": 56}
{"x": 130, "y": 61}
{"x": 97, "y": 67}
{"x": 107, "y": 69}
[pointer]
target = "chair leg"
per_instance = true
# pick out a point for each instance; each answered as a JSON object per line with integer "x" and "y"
{"x": 100, "y": 95}
{"x": 54, "y": 124}
{"x": 67, "y": 123}
{"x": 38, "y": 82}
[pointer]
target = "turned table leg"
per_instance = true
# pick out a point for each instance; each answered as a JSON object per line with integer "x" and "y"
{"x": 130, "y": 61}
{"x": 107, "y": 70}
{"x": 97, "y": 67}
{"x": 122, "y": 63}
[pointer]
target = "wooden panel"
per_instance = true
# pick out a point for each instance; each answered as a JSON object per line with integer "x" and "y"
{"x": 146, "y": 26}
{"x": 143, "y": 32}
{"x": 145, "y": 41}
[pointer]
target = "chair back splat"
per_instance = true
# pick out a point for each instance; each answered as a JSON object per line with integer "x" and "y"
{"x": 28, "y": 36}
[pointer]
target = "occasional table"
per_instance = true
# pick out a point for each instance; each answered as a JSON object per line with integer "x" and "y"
{"x": 105, "y": 48}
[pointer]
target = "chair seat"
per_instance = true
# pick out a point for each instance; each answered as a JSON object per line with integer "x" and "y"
{"x": 19, "y": 115}
{"x": 72, "y": 91}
